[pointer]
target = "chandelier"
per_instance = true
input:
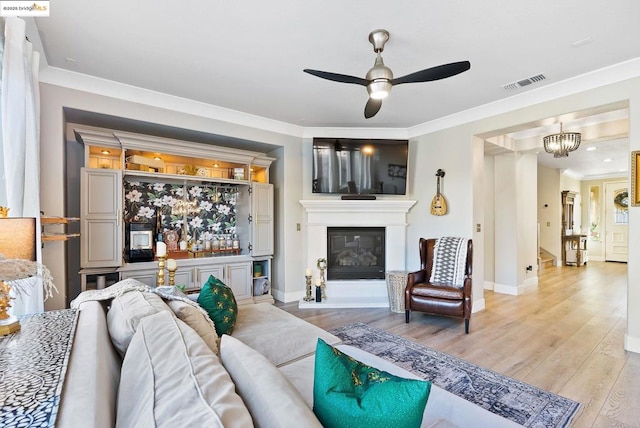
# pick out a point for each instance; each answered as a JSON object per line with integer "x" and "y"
{"x": 561, "y": 144}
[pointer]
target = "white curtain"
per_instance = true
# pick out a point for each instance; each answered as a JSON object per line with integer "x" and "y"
{"x": 20, "y": 139}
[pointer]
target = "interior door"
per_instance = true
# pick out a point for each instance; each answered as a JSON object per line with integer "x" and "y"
{"x": 616, "y": 195}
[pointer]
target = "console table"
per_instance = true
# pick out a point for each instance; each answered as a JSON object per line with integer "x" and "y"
{"x": 33, "y": 364}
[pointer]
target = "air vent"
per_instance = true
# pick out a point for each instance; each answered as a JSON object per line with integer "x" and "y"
{"x": 524, "y": 82}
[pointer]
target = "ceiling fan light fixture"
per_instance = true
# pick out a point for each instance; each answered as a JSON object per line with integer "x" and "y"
{"x": 561, "y": 144}
{"x": 379, "y": 89}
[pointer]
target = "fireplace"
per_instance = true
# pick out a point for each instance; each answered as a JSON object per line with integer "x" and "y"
{"x": 389, "y": 215}
{"x": 355, "y": 253}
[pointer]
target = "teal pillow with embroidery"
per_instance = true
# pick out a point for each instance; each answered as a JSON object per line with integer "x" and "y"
{"x": 218, "y": 300}
{"x": 348, "y": 393}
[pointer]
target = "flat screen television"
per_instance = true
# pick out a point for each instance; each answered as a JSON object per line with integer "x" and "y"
{"x": 360, "y": 166}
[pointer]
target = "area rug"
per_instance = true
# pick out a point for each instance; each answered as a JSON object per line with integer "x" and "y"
{"x": 510, "y": 398}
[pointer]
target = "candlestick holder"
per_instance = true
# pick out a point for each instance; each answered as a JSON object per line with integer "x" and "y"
{"x": 309, "y": 296}
{"x": 172, "y": 275}
{"x": 322, "y": 266}
{"x": 160, "y": 276}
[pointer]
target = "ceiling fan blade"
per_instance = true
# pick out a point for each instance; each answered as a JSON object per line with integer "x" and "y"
{"x": 343, "y": 78}
{"x": 434, "y": 73}
{"x": 372, "y": 107}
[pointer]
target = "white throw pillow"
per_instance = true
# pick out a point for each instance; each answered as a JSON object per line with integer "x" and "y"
{"x": 195, "y": 319}
{"x": 170, "y": 378}
{"x": 125, "y": 314}
{"x": 272, "y": 400}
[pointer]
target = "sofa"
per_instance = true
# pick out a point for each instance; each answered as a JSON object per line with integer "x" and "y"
{"x": 262, "y": 375}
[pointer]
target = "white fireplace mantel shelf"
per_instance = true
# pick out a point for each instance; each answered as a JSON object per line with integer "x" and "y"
{"x": 388, "y": 213}
{"x": 358, "y": 206}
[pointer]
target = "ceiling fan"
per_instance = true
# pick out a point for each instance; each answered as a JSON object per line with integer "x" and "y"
{"x": 379, "y": 78}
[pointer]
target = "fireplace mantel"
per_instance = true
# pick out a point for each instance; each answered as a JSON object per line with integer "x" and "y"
{"x": 388, "y": 213}
{"x": 356, "y": 206}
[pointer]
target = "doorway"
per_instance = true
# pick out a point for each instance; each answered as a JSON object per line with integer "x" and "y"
{"x": 616, "y": 206}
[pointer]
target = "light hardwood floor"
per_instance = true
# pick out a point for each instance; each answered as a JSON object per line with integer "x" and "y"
{"x": 565, "y": 336}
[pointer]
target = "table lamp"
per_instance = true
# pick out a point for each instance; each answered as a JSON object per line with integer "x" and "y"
{"x": 17, "y": 265}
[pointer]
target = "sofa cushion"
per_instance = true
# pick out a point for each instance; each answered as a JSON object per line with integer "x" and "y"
{"x": 195, "y": 319}
{"x": 220, "y": 303}
{"x": 171, "y": 378}
{"x": 276, "y": 334}
{"x": 125, "y": 314}
{"x": 349, "y": 393}
{"x": 272, "y": 400}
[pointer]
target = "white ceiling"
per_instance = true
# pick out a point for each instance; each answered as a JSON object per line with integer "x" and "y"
{"x": 249, "y": 55}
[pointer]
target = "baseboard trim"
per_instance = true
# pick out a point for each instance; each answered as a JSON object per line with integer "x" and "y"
{"x": 507, "y": 289}
{"x": 478, "y": 305}
{"x": 632, "y": 343}
{"x": 596, "y": 258}
{"x": 287, "y": 297}
{"x": 489, "y": 285}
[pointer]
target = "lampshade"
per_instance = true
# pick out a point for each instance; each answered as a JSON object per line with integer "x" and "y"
{"x": 561, "y": 144}
{"x": 18, "y": 238}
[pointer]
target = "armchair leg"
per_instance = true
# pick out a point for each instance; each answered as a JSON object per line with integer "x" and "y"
{"x": 466, "y": 326}
{"x": 406, "y": 316}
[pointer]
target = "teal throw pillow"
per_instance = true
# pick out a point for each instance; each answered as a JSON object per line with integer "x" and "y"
{"x": 348, "y": 393}
{"x": 218, "y": 300}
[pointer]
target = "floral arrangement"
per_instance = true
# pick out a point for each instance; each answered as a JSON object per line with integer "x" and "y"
{"x": 321, "y": 263}
{"x": 16, "y": 273}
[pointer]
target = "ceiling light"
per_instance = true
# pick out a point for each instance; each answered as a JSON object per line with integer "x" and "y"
{"x": 157, "y": 158}
{"x": 607, "y": 160}
{"x": 215, "y": 165}
{"x": 561, "y": 144}
{"x": 590, "y": 149}
{"x": 105, "y": 152}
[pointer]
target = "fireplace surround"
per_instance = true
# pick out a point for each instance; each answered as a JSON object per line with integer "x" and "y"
{"x": 321, "y": 214}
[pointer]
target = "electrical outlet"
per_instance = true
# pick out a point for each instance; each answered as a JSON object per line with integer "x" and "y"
{"x": 548, "y": 223}
{"x": 529, "y": 268}
{"x": 298, "y": 227}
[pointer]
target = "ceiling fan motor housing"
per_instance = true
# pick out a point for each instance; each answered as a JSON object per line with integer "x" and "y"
{"x": 379, "y": 78}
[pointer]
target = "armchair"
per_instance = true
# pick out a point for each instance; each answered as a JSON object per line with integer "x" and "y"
{"x": 439, "y": 297}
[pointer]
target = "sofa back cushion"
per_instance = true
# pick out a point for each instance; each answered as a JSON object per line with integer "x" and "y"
{"x": 272, "y": 400}
{"x": 171, "y": 378}
{"x": 195, "y": 319}
{"x": 126, "y": 312}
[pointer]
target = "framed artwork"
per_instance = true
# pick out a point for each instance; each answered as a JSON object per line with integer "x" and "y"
{"x": 397, "y": 171}
{"x": 635, "y": 179}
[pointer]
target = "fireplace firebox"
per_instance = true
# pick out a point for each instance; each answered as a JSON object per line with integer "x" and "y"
{"x": 355, "y": 253}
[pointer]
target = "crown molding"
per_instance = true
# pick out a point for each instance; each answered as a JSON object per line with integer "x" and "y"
{"x": 82, "y": 82}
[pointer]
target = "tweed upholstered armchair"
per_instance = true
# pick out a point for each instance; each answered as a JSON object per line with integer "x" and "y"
{"x": 433, "y": 294}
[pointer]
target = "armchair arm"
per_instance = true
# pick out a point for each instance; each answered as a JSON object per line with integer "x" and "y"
{"x": 468, "y": 297}
{"x": 412, "y": 279}
{"x": 416, "y": 277}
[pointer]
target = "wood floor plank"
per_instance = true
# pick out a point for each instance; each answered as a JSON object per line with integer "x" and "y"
{"x": 565, "y": 336}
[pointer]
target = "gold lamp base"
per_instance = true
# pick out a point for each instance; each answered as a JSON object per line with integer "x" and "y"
{"x": 9, "y": 326}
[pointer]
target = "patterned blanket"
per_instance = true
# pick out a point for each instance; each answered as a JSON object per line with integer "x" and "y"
{"x": 449, "y": 258}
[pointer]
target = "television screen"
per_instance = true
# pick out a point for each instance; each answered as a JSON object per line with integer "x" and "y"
{"x": 360, "y": 166}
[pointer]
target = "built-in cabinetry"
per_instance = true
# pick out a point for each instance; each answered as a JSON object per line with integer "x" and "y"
{"x": 123, "y": 169}
{"x": 101, "y": 218}
{"x": 192, "y": 274}
{"x": 574, "y": 245}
